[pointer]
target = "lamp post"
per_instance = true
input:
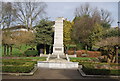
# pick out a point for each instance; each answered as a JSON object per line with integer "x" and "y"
{"x": 118, "y": 24}
{"x": 45, "y": 47}
{"x": 117, "y": 46}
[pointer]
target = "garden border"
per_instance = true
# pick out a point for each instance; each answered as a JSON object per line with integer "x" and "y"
{"x": 20, "y": 74}
{"x": 85, "y": 75}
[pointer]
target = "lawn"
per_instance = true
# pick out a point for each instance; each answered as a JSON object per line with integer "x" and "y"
{"x": 26, "y": 58}
{"x": 16, "y": 52}
{"x": 83, "y": 58}
{"x": 34, "y": 58}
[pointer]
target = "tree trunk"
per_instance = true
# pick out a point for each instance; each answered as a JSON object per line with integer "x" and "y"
{"x": 7, "y": 49}
{"x": 4, "y": 50}
{"x": 90, "y": 48}
{"x": 44, "y": 49}
{"x": 86, "y": 49}
{"x": 113, "y": 61}
{"x": 116, "y": 54}
{"x": 10, "y": 50}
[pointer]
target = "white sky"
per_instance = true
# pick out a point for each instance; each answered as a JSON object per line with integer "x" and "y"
{"x": 65, "y": 8}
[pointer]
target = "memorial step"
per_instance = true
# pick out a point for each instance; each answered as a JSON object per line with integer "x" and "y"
{"x": 58, "y": 65}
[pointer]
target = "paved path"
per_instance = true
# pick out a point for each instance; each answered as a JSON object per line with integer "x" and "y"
{"x": 63, "y": 74}
{"x": 43, "y": 73}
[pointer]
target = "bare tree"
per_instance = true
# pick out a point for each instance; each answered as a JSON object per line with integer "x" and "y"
{"x": 98, "y": 15}
{"x": 7, "y": 15}
{"x": 83, "y": 10}
{"x": 28, "y": 13}
{"x": 106, "y": 16}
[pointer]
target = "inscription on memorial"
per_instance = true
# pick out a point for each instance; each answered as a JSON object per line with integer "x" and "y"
{"x": 58, "y": 49}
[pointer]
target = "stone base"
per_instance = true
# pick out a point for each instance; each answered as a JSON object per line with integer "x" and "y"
{"x": 58, "y": 65}
{"x": 57, "y": 57}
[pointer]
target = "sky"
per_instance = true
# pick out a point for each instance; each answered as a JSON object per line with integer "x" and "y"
{"x": 66, "y": 9}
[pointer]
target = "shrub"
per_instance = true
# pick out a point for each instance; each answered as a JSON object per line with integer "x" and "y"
{"x": 31, "y": 49}
{"x": 70, "y": 52}
{"x": 31, "y": 53}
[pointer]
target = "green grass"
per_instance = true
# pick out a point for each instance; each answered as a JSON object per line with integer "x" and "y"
{"x": 17, "y": 52}
{"x": 28, "y": 59}
{"x": 82, "y": 58}
{"x": 34, "y": 58}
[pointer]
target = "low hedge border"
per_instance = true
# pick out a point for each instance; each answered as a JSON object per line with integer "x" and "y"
{"x": 82, "y": 62}
{"x": 90, "y": 70}
{"x": 24, "y": 68}
{"x": 16, "y": 61}
{"x": 100, "y": 76}
{"x": 20, "y": 74}
{"x": 17, "y": 66}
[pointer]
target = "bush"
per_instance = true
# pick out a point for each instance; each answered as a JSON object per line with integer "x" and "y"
{"x": 17, "y": 66}
{"x": 70, "y": 52}
{"x": 31, "y": 49}
{"x": 31, "y": 53}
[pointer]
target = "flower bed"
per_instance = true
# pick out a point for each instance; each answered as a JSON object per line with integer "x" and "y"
{"x": 80, "y": 52}
{"x": 70, "y": 52}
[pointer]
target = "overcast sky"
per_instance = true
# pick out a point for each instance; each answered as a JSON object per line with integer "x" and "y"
{"x": 66, "y": 9}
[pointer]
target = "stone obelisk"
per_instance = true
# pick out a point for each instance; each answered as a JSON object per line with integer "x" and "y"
{"x": 58, "y": 47}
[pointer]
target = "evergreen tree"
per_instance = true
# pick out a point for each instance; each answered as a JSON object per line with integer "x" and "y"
{"x": 44, "y": 32}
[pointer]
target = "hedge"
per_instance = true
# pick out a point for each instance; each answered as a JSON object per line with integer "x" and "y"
{"x": 31, "y": 53}
{"x": 82, "y": 62}
{"x": 85, "y": 61}
{"x": 90, "y": 70}
{"x": 17, "y": 66}
{"x": 16, "y": 61}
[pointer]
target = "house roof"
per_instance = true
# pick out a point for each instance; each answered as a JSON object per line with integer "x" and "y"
{"x": 16, "y": 27}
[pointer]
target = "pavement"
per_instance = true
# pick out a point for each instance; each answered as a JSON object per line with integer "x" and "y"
{"x": 45, "y": 73}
